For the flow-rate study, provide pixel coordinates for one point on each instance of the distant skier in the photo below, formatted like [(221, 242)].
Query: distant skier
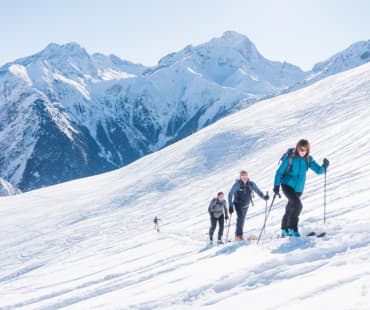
[(218, 212), (156, 223), (241, 195), (291, 174)]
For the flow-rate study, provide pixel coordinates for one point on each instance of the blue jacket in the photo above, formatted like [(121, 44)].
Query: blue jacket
[(236, 187), (296, 177)]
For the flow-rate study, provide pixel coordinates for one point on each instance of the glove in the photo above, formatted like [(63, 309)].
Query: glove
[(325, 163), (266, 197), (231, 210), (226, 217), (277, 190)]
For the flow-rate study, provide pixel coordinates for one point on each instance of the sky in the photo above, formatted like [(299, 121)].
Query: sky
[(302, 32)]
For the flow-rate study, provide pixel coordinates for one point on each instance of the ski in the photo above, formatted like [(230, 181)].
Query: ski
[(249, 238), (314, 234), (207, 247), (310, 234), (211, 245)]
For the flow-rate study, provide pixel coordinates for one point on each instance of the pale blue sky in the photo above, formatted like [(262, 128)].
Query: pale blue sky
[(302, 32)]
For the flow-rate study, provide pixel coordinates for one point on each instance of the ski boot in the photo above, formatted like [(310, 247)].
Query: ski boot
[(294, 233), (284, 233)]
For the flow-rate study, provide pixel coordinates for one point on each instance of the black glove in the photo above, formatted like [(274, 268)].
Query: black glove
[(277, 190), (325, 163), (226, 217), (266, 197), (231, 210)]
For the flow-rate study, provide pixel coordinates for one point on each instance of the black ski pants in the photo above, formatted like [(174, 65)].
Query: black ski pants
[(214, 221), (293, 208)]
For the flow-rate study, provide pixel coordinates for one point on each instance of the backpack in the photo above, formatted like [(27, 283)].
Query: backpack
[(217, 208), (291, 154)]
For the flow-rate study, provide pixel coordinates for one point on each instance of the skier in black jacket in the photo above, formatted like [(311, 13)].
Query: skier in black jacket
[(241, 195)]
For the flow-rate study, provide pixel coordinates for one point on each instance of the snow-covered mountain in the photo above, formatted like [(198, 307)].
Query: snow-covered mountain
[(355, 55), (234, 61), (90, 243), (49, 119), (66, 114), (7, 189)]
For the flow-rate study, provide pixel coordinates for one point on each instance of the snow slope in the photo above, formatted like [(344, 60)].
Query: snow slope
[(90, 243)]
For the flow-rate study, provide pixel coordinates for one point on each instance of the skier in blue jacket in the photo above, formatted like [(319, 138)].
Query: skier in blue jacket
[(240, 196), (291, 174)]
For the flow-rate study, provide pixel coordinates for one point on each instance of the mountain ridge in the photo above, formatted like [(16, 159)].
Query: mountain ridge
[(111, 112)]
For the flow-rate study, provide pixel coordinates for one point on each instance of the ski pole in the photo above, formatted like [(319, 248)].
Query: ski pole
[(266, 204), (228, 228), (266, 217), (325, 198)]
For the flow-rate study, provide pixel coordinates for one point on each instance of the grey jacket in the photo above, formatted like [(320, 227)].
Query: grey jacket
[(217, 208)]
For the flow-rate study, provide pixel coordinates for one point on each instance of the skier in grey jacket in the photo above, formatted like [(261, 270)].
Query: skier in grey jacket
[(218, 212), (241, 195)]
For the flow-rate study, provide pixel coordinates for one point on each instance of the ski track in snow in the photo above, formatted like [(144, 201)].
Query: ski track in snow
[(91, 244)]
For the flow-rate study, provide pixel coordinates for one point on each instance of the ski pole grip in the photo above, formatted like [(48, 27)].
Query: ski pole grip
[(276, 194)]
